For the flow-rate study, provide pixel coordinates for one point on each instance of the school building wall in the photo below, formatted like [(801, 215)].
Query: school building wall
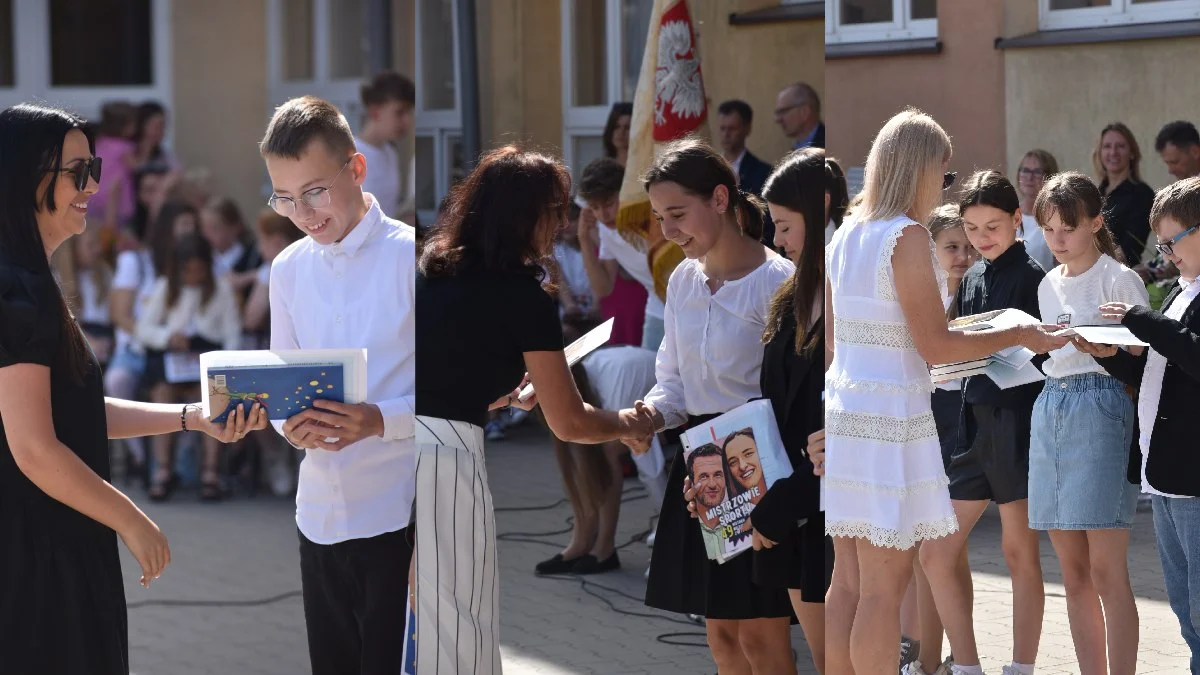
[(521, 85), (217, 115), (962, 87), (1059, 98)]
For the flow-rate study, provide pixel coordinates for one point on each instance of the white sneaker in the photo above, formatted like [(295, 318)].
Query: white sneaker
[(956, 669), (946, 667), (912, 668)]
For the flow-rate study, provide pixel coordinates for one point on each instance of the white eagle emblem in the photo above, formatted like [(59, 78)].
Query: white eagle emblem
[(677, 78)]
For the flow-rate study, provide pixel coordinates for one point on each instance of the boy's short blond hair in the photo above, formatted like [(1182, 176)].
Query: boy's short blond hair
[(1180, 201)]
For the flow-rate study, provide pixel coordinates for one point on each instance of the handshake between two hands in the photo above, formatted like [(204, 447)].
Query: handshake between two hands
[(639, 423)]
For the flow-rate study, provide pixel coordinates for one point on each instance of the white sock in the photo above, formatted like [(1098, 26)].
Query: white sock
[(1022, 668), (966, 670)]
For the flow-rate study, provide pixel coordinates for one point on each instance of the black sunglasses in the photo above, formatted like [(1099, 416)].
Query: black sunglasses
[(84, 168), (947, 179)]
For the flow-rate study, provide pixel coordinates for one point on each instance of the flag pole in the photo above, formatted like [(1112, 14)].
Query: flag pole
[(468, 82)]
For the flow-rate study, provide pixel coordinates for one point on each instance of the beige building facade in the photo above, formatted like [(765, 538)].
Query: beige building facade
[(551, 69), (219, 66), (1007, 76)]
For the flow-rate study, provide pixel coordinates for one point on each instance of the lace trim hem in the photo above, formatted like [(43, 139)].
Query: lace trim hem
[(884, 428), (873, 333), (845, 382), (901, 491), (888, 538)]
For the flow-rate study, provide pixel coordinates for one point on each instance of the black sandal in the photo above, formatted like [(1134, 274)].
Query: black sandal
[(211, 491), (160, 491)]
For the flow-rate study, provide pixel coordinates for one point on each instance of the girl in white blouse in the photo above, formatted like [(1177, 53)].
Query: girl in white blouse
[(188, 311), (1082, 430), (709, 363)]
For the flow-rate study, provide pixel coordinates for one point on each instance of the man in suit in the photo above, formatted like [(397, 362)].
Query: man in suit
[(798, 112), (734, 120)]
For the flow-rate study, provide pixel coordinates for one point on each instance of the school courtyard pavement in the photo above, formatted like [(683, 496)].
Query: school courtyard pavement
[(229, 602)]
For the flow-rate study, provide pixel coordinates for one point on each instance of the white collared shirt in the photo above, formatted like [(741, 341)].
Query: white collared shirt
[(357, 293), (1152, 379), (711, 355), (737, 163)]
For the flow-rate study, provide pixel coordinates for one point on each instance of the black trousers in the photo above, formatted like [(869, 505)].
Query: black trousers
[(355, 598)]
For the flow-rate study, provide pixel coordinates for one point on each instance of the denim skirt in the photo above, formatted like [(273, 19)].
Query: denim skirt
[(1078, 455)]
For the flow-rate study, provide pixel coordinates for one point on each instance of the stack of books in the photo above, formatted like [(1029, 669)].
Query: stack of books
[(1008, 368)]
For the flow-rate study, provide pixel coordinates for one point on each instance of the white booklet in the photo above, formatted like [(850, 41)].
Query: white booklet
[(285, 382), (1104, 335), (995, 319), (577, 350)]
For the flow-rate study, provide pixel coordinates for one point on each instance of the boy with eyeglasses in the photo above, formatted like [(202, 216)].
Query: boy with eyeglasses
[(348, 284), (1167, 377)]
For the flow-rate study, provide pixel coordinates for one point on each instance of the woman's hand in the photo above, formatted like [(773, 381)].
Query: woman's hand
[(1114, 311), (689, 496), (513, 398), (1039, 339), (816, 451), (148, 545), (236, 426), (178, 343), (1093, 349), (760, 542), (639, 425)]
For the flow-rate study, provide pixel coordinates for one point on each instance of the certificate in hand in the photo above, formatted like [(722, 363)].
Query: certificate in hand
[(1104, 335), (579, 349)]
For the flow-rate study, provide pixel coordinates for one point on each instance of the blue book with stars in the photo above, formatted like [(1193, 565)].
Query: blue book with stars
[(284, 382)]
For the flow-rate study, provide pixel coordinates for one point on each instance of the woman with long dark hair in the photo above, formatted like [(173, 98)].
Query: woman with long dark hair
[(709, 363), (62, 602), (484, 319), (797, 557), (616, 132)]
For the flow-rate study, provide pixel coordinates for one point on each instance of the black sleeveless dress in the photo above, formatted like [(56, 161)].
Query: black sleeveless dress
[(62, 602)]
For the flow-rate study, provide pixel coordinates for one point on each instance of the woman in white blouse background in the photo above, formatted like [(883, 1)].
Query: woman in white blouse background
[(709, 363)]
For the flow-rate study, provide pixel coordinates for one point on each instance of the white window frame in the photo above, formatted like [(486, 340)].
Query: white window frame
[(31, 67), (1119, 13), (440, 125), (902, 27), (582, 121)]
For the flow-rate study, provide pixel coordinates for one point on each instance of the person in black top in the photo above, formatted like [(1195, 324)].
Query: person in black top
[(1127, 199), (484, 320), (791, 549), (991, 461), (62, 602)]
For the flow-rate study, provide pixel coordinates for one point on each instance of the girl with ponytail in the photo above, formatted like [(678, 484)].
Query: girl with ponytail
[(709, 363), (1078, 486)]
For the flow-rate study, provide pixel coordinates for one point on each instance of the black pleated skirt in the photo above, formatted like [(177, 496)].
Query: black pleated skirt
[(803, 562), (684, 580)]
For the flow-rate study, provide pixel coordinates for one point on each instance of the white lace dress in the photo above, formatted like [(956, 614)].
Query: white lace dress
[(884, 478)]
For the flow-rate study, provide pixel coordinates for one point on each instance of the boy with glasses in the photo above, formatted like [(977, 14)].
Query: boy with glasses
[(348, 284)]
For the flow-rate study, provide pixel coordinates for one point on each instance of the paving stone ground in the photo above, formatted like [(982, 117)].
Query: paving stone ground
[(244, 552)]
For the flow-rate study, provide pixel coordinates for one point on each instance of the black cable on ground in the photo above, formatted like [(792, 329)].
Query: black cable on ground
[(215, 603), (587, 586)]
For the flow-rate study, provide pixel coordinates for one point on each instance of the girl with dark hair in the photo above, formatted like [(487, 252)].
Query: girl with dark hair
[(62, 601), (710, 362), (616, 132), (114, 204), (1079, 486), (235, 253), (1127, 199), (151, 130), (991, 460), (485, 259), (787, 555), (189, 310)]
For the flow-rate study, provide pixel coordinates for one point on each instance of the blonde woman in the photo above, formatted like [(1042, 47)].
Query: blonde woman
[(1127, 199), (886, 487)]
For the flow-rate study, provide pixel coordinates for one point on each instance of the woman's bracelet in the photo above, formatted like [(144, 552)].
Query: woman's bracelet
[(183, 415)]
